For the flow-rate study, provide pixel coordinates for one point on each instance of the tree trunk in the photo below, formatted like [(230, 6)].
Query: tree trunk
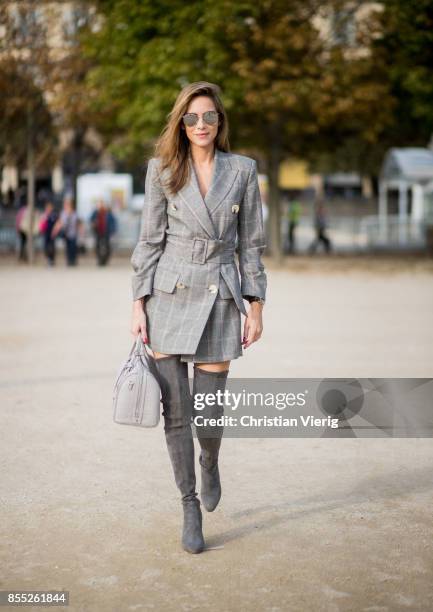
[(273, 164), (77, 152), (30, 184)]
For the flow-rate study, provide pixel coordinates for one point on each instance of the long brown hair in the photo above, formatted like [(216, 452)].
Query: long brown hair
[(173, 146)]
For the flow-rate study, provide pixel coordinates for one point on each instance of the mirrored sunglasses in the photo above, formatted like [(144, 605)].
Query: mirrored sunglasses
[(209, 117)]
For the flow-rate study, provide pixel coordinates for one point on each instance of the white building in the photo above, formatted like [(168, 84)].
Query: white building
[(409, 173)]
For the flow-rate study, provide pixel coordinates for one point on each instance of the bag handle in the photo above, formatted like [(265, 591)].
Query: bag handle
[(137, 346), (140, 349)]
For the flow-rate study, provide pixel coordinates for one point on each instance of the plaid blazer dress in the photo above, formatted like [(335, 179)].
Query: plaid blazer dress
[(184, 261)]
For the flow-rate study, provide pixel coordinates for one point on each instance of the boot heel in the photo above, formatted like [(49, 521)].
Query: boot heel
[(192, 535)]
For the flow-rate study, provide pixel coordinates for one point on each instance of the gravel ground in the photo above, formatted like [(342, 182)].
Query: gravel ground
[(304, 524)]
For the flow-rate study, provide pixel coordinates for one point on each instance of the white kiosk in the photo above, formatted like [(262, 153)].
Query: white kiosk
[(404, 169)]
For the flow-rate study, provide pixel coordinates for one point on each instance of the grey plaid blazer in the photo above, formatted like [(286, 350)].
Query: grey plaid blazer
[(185, 256)]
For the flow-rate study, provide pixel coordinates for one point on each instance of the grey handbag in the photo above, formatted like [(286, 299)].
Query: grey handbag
[(136, 397)]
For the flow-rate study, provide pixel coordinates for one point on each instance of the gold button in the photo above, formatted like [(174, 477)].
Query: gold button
[(180, 285), (235, 208), (213, 288)]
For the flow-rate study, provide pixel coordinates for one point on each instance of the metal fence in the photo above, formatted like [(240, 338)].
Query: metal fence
[(393, 232), (347, 234), (360, 234)]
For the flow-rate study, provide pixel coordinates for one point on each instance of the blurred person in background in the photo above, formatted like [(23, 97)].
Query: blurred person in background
[(81, 242), (46, 226), (104, 225), (22, 226), (22, 233), (293, 214), (321, 225), (20, 197), (67, 227), (10, 198)]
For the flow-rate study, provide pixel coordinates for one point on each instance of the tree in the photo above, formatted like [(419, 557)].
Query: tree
[(24, 116), (66, 88), (286, 90), (263, 56), (405, 45)]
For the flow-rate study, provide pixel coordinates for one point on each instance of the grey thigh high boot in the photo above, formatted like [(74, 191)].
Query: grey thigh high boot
[(177, 412), (209, 436)]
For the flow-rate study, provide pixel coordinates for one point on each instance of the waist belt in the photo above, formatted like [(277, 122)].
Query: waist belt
[(199, 250)]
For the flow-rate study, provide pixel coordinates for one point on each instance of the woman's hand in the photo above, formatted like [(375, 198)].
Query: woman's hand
[(138, 325), (253, 324)]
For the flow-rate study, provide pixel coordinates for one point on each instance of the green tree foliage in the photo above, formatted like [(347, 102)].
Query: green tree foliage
[(24, 114), (263, 55), (406, 47), (330, 96)]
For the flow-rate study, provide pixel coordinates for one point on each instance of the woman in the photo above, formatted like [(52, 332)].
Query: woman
[(200, 201), (46, 227), (104, 226), (68, 224)]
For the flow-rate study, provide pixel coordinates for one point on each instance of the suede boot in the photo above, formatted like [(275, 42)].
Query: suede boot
[(210, 436), (177, 413)]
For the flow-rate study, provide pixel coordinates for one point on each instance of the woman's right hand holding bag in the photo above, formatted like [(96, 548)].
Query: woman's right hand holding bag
[(138, 325)]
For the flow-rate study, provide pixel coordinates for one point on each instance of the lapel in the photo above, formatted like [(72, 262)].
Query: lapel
[(223, 177)]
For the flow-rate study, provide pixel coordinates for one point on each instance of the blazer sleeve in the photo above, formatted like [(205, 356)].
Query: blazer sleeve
[(152, 236), (252, 239)]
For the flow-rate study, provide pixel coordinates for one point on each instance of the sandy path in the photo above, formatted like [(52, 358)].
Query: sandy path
[(91, 507)]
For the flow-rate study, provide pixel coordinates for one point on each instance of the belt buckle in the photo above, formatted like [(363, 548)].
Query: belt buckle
[(202, 260)]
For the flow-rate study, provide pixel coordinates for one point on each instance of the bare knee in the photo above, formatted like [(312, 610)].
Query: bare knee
[(220, 366)]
